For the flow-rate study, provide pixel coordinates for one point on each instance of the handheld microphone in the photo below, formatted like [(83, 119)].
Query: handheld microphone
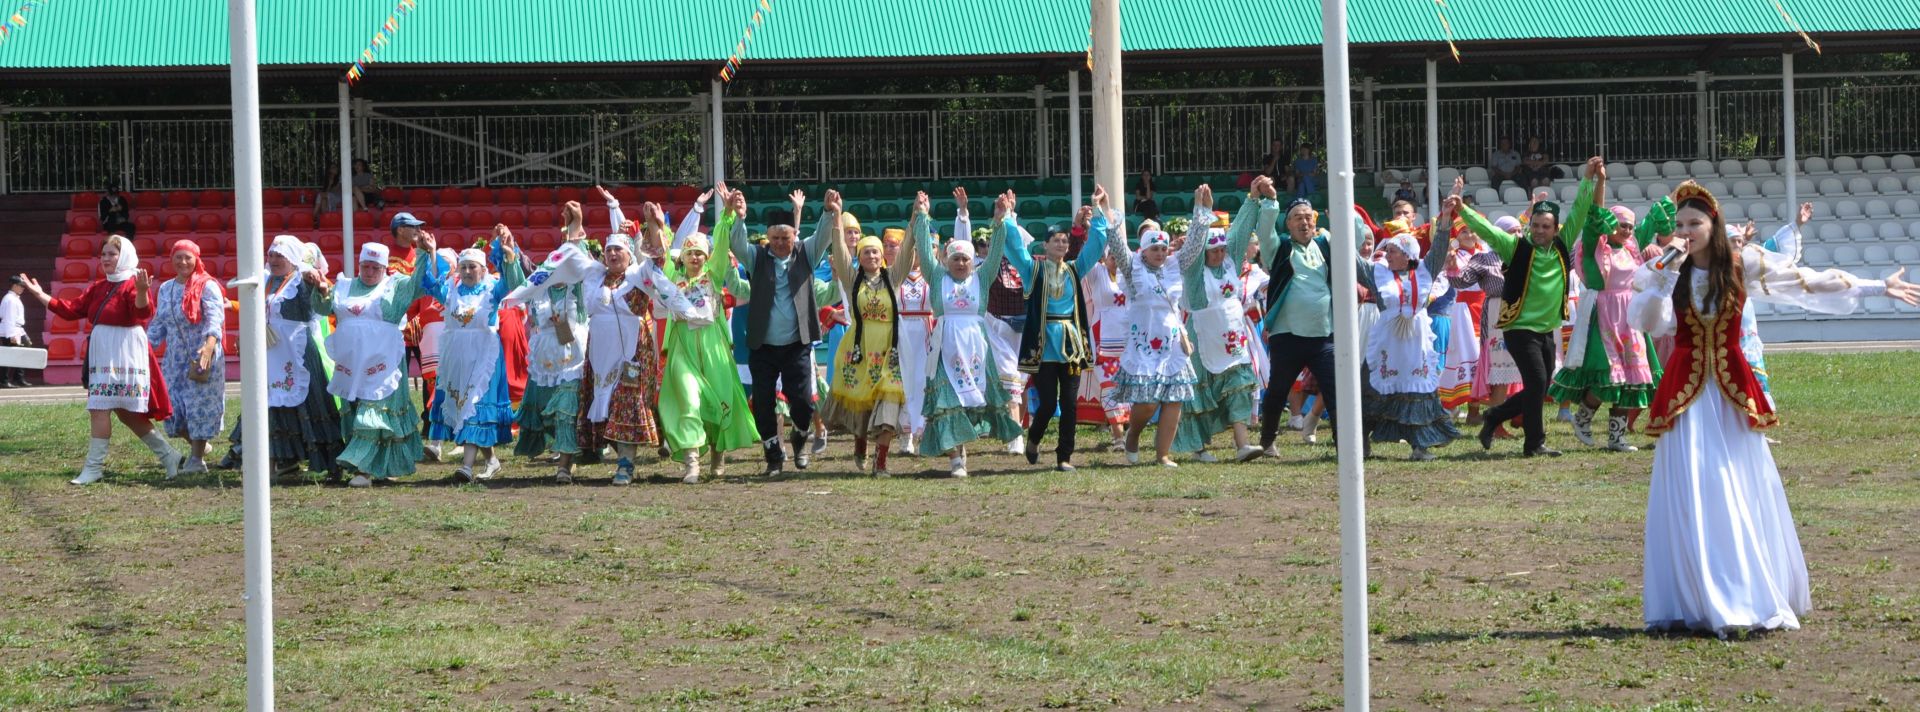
[(1667, 258)]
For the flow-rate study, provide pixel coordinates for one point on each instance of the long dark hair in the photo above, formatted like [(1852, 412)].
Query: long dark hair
[(1723, 280)]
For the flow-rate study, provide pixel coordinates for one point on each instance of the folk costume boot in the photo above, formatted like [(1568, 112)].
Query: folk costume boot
[(1583, 425), (170, 458), (96, 466), (1617, 435)]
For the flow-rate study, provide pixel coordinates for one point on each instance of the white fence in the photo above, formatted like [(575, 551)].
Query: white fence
[(667, 142)]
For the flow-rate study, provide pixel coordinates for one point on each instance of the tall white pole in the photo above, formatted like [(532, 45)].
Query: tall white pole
[(1073, 132), (253, 353), (1791, 169), (1109, 155), (719, 139), (1346, 326), (1433, 139), (351, 261)]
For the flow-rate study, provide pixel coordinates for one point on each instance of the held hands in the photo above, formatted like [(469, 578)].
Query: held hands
[(1203, 196), (833, 201), (426, 242), (1459, 185), (1083, 216), (920, 203), (1597, 168), (737, 204), (1100, 197), (1263, 187), (1002, 205)]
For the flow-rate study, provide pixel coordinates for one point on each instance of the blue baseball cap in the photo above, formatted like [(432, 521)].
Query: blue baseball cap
[(401, 220)]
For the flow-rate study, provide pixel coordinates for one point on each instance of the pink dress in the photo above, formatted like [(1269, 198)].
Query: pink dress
[(1626, 349)]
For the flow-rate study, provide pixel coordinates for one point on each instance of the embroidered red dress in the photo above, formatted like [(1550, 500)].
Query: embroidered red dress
[(122, 370)]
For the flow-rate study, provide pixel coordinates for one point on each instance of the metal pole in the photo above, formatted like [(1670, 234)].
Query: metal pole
[(1433, 139), (719, 140), (1791, 168), (1704, 128), (1109, 154), (258, 513), (1346, 324), (1040, 137), (346, 181), (1073, 133)]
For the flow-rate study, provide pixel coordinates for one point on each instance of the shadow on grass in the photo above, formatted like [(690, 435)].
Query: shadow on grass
[(1609, 632)]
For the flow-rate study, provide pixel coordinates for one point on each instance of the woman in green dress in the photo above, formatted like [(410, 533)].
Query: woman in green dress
[(964, 399), (702, 405), (376, 409)]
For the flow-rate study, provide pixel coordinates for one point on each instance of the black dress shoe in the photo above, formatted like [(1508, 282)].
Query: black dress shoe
[(1543, 451), (1033, 454), (1486, 433)]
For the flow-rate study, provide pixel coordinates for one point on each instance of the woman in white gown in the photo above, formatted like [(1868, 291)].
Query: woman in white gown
[(1721, 550)]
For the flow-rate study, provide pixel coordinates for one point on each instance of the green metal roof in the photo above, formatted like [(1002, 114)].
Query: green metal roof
[(147, 34)]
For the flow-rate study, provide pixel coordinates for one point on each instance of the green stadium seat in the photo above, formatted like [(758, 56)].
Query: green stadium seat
[(889, 211), (1054, 186), (1059, 208), (940, 209), (1172, 205), (1037, 229), (979, 209), (1030, 208), (1026, 186), (1229, 202)]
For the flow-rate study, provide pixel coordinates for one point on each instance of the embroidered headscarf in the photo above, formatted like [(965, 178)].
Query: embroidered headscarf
[(960, 247), (122, 268), (196, 284), (374, 252), (1154, 238)]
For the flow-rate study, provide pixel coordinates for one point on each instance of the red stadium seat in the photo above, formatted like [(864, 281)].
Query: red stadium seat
[(273, 198), (159, 267), (84, 201), (419, 197), (392, 194), (62, 350), (84, 225), (210, 222), (273, 221), (628, 193), (229, 245), (540, 195), (513, 218), (233, 319), (225, 268), (232, 341), (480, 196), (147, 223), (302, 221), (329, 221), (300, 196), (543, 240), (362, 220), (213, 199), (510, 195), (685, 194), (597, 214), (656, 193), (566, 193), (210, 246), (149, 200), (480, 219), (75, 247), (61, 325), (453, 218), (77, 270), (451, 195), (179, 200), (178, 222), (330, 243), (146, 245), (68, 293)]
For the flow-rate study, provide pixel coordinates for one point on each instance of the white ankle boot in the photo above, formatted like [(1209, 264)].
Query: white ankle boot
[(169, 458), (1583, 425), (1617, 435), (96, 465)]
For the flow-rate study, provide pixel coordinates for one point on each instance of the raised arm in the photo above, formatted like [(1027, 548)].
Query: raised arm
[(919, 232), (1658, 221), (844, 272), (690, 223), (827, 229), (1095, 246), (736, 232), (1256, 219), (1496, 238), (904, 260), (1105, 219), (512, 275), (1016, 253), (1198, 228), (718, 267), (1579, 215), (614, 216)]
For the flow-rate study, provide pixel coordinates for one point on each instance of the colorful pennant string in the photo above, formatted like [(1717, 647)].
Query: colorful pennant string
[(381, 38), (1440, 8), (1795, 26), (18, 18), (739, 55)]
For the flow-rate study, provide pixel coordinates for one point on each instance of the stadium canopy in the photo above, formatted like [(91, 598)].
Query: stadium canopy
[(468, 40)]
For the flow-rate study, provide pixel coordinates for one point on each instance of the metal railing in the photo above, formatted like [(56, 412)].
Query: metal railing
[(667, 140)]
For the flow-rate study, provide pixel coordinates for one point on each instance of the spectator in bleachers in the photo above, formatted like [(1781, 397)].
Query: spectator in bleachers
[(366, 187), (1406, 194), (1274, 165), (13, 331), (1503, 164), (1536, 166), (116, 213), (327, 198), (1143, 204), (1304, 181)]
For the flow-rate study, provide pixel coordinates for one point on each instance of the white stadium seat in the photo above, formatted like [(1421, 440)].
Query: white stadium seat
[(1759, 167), (1657, 191), (1846, 256), (1673, 169), (1892, 232), (1877, 255), (1913, 229), (1815, 256), (1822, 208), (1832, 187), (1446, 178), (1745, 189), (1619, 170), (1733, 212), (1890, 185), (1780, 167), (1877, 305), (1848, 210), (1760, 212), (1717, 187), (1646, 170), (1902, 162), (1860, 186), (1513, 195), (1817, 164), (1773, 187), (1729, 168), (1906, 207), (1860, 231), (1846, 164), (1832, 232), (1477, 175), (1632, 192), (1874, 164), (1701, 169), (1485, 197), (1804, 186), (1913, 185), (1906, 254), (1879, 209)]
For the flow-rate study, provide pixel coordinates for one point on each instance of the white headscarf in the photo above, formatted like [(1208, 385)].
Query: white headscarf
[(960, 247), (620, 240), (1216, 237), (1406, 243), (128, 262), (374, 252), (473, 255), (1154, 238), (289, 248)]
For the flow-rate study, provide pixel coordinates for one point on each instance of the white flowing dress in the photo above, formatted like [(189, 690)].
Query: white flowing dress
[(916, 316)]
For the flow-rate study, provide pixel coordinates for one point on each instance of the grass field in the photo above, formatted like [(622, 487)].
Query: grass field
[(1498, 582)]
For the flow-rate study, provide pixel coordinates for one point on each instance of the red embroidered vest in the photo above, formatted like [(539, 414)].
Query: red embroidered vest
[(1707, 347)]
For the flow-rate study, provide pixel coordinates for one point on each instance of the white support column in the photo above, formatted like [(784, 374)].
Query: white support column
[(1346, 325), (1791, 169), (719, 167), (1073, 133), (1433, 139), (1109, 154), (350, 261), (1041, 139), (257, 507), (1703, 136)]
